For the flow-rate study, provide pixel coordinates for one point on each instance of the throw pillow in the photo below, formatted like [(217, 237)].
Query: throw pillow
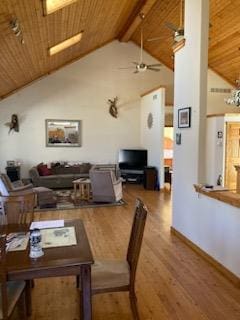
[(84, 167), (44, 171)]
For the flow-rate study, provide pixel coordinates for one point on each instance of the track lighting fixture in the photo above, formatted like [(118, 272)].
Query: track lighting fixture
[(16, 28)]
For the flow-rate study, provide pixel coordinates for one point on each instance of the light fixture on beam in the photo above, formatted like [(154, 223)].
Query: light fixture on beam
[(50, 6), (16, 28), (234, 100), (65, 44)]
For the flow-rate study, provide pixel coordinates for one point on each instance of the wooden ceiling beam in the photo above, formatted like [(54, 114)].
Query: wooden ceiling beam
[(135, 20)]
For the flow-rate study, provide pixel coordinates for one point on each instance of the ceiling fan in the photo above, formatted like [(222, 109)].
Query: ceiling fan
[(141, 66), (178, 34)]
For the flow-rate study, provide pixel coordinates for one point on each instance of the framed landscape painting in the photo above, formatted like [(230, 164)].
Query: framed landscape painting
[(184, 118), (63, 133)]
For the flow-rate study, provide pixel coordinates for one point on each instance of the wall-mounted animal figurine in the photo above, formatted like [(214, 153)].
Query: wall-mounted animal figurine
[(13, 125), (113, 107)]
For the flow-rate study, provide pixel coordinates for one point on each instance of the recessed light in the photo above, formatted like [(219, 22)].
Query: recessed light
[(65, 44), (50, 6)]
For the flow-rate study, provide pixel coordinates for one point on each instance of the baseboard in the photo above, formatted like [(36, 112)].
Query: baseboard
[(223, 270)]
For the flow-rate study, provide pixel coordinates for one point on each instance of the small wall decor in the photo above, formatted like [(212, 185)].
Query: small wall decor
[(113, 107), (184, 118), (220, 134), (220, 138), (178, 138), (63, 133), (150, 120), (13, 125)]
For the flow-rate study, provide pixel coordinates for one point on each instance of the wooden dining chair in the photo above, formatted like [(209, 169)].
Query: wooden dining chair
[(115, 276), (12, 293), (17, 209)]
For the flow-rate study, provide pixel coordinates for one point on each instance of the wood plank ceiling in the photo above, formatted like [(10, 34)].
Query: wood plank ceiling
[(103, 21), (224, 35)]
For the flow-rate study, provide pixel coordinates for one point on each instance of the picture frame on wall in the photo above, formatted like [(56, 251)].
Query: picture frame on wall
[(184, 117), (63, 133)]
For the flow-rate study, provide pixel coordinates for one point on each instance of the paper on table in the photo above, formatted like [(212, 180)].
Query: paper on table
[(58, 237), (47, 224), (17, 241)]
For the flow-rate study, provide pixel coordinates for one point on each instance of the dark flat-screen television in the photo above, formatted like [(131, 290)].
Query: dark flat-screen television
[(131, 159)]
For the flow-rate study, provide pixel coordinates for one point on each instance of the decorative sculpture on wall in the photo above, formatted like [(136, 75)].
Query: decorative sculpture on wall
[(113, 108), (150, 120), (13, 125)]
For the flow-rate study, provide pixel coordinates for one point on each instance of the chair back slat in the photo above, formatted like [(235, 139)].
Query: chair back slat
[(17, 209), (136, 237), (3, 277), (7, 182), (3, 188)]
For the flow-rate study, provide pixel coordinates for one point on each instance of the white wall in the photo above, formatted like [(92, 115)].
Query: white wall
[(80, 91), (152, 139), (215, 100), (215, 156), (215, 149), (215, 227), (210, 224)]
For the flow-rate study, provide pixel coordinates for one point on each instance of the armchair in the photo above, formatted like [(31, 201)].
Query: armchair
[(7, 188), (105, 186)]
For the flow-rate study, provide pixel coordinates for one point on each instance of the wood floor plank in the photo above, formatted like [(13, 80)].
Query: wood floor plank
[(173, 282)]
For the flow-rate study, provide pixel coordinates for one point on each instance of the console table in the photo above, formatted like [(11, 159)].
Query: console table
[(133, 176)]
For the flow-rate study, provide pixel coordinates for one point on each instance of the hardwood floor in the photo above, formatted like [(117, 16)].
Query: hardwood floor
[(173, 282)]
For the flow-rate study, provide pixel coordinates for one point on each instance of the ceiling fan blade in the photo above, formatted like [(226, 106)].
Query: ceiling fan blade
[(153, 69), (127, 68), (136, 71), (136, 63), (155, 65), (141, 52), (171, 26)]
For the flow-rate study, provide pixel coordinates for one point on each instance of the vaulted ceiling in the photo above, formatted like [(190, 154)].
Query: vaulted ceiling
[(103, 21)]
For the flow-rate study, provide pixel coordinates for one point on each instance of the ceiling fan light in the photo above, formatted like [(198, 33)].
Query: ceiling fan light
[(141, 67), (65, 44), (50, 6)]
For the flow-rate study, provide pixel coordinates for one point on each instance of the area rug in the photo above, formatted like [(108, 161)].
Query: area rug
[(65, 201)]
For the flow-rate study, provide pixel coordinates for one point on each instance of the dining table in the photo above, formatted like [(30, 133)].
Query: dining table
[(74, 260)]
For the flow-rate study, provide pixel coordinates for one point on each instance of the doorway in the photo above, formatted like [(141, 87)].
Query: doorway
[(168, 155), (232, 154)]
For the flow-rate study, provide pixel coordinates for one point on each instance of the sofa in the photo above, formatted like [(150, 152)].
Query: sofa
[(59, 176)]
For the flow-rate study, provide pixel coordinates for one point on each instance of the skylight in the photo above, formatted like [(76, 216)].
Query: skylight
[(50, 6), (65, 44)]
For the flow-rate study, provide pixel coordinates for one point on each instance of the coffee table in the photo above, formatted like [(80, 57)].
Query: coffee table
[(82, 189), (56, 262)]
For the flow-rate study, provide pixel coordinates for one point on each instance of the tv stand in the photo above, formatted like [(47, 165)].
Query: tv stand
[(133, 176)]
